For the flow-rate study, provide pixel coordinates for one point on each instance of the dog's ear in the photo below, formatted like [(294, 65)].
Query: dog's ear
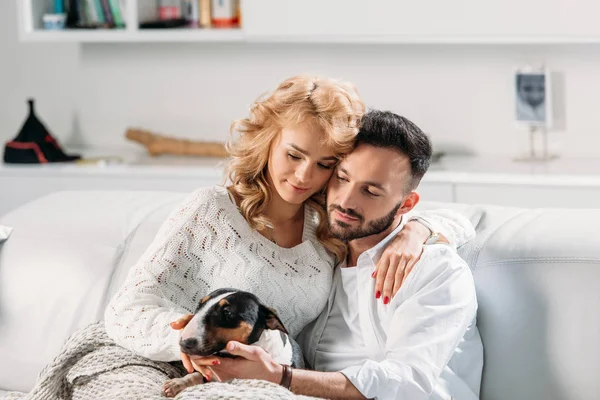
[(272, 320)]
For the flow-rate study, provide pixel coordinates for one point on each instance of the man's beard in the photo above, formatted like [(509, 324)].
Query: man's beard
[(344, 232)]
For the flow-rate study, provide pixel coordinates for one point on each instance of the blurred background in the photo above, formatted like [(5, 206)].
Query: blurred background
[(187, 69)]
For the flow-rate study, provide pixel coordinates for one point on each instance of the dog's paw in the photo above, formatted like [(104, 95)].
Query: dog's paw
[(173, 386)]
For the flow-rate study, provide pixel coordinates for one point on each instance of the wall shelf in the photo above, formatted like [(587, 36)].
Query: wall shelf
[(137, 36), (31, 29), (423, 39), (239, 36), (497, 22)]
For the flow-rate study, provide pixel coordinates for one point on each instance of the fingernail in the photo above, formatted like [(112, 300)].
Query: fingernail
[(231, 346), (373, 274), (386, 300), (216, 362), (378, 294)]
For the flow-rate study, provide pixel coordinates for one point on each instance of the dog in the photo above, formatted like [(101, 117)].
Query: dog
[(230, 314)]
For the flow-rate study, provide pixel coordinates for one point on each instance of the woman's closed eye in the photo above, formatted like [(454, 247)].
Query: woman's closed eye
[(320, 165), (326, 166)]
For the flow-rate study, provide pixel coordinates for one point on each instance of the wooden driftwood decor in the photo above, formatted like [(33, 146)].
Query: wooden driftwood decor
[(159, 144)]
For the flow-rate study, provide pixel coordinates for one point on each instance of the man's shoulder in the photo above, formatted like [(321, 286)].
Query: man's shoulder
[(441, 253), (440, 262)]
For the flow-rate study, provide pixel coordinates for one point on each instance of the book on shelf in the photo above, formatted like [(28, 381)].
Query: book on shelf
[(91, 14), (99, 12), (108, 14), (193, 14), (115, 9)]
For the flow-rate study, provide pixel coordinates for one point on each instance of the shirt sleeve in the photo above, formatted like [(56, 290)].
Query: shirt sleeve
[(427, 324), (455, 226), (156, 291)]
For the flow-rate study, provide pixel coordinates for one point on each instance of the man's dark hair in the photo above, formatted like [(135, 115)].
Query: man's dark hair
[(388, 130)]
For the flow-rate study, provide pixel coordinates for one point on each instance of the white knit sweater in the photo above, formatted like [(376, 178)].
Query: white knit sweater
[(207, 244)]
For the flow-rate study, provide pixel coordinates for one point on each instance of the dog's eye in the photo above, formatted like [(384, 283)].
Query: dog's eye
[(227, 313)]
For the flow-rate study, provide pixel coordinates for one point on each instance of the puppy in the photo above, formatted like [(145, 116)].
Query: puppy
[(229, 314)]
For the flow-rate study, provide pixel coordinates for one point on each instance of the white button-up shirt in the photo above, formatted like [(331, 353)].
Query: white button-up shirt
[(423, 345)]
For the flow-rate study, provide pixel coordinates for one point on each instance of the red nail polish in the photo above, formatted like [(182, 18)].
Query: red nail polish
[(386, 300), (216, 362), (378, 294), (373, 274)]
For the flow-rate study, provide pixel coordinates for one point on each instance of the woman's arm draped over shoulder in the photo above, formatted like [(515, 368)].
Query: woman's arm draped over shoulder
[(454, 225), (162, 286)]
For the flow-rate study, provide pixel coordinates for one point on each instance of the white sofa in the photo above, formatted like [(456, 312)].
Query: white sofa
[(537, 274)]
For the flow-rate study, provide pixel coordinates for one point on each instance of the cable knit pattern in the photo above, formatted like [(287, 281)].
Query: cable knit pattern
[(204, 245)]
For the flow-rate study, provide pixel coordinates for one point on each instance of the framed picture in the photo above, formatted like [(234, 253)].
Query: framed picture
[(533, 98)]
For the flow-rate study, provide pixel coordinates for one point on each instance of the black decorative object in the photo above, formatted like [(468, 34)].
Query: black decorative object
[(34, 144)]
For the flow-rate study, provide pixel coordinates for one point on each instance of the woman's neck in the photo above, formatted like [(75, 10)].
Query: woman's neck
[(280, 212)]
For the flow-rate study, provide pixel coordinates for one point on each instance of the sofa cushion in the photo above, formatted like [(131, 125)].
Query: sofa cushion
[(4, 232), (536, 273), (57, 269)]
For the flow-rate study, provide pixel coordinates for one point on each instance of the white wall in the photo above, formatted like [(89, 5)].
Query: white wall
[(459, 94)]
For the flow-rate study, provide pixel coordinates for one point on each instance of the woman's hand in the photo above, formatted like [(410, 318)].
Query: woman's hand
[(185, 359), (399, 259), (203, 365)]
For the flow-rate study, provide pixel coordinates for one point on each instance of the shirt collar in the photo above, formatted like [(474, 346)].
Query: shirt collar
[(375, 252)]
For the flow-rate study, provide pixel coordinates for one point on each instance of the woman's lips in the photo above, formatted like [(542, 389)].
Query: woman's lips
[(298, 188)]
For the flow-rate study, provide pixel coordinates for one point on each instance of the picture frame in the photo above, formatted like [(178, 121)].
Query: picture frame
[(533, 97)]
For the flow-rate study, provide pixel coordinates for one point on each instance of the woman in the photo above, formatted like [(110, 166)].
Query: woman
[(266, 233)]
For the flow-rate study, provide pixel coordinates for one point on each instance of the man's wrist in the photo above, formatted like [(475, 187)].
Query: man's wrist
[(286, 378), (276, 373)]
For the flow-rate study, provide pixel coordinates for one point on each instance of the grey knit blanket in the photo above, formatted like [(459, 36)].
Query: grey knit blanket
[(92, 367)]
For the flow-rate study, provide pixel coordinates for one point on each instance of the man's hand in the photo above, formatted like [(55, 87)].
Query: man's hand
[(253, 363)]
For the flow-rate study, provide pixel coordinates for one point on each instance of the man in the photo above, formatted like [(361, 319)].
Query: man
[(424, 344)]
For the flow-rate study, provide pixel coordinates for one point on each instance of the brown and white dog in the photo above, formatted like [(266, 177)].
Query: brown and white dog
[(229, 314)]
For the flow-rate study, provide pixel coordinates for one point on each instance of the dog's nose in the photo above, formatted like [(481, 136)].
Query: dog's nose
[(189, 344)]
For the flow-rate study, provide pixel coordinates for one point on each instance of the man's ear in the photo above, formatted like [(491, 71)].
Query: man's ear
[(409, 203), (272, 320)]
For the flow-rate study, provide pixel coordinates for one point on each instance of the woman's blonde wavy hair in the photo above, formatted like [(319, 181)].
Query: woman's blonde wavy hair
[(332, 105)]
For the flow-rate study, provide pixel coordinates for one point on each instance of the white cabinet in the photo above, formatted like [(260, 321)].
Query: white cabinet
[(528, 196), (20, 184), (18, 190), (436, 191), (564, 183)]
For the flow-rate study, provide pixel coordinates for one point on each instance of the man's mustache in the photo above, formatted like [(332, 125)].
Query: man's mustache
[(349, 212)]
